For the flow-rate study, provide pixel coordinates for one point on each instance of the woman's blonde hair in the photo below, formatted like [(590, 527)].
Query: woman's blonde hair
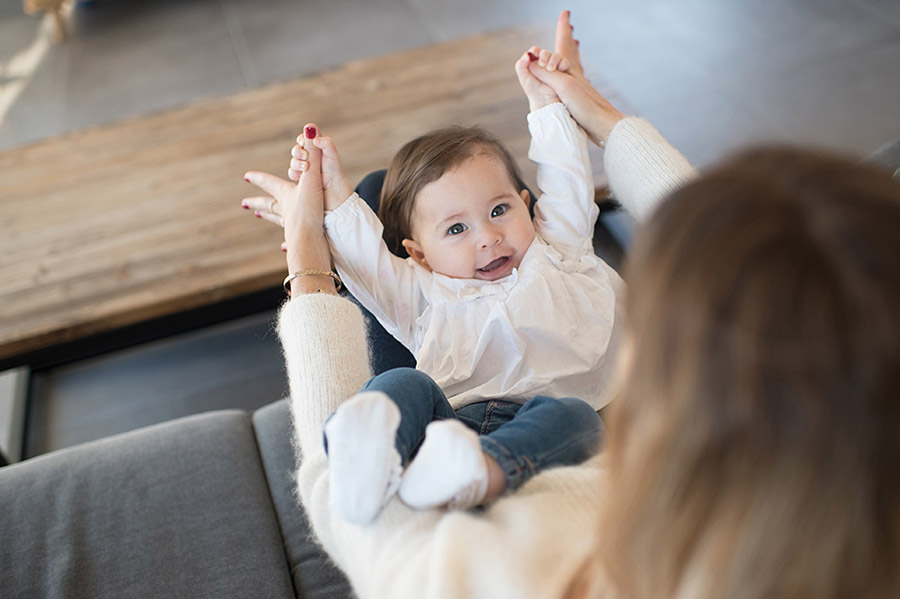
[(755, 443)]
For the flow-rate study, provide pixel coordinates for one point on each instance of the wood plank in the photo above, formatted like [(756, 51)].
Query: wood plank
[(111, 226)]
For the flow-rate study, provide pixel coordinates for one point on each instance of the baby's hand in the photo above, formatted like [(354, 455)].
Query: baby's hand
[(539, 94), (337, 187)]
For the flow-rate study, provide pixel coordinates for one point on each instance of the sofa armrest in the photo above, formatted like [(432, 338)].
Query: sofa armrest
[(180, 509), (315, 575)]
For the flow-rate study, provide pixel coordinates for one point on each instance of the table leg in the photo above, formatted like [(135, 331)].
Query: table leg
[(13, 395)]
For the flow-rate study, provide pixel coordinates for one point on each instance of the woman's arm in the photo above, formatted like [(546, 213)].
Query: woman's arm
[(641, 165), (302, 212), (349, 234), (593, 112)]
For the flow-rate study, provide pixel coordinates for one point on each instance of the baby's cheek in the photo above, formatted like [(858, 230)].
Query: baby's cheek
[(528, 236)]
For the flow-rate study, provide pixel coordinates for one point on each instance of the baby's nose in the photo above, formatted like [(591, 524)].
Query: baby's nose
[(491, 236)]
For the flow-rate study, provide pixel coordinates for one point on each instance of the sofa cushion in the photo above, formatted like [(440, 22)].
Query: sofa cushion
[(315, 575), (180, 509)]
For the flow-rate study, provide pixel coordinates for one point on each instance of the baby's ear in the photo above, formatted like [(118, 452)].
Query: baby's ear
[(526, 197), (415, 252)]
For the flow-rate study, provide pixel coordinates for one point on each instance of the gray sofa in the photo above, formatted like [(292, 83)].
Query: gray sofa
[(203, 506)]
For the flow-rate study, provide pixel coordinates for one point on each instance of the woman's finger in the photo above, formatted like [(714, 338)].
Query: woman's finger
[(275, 219), (311, 182), (257, 203), (262, 204), (566, 45), (271, 184), (299, 153), (299, 165), (294, 175)]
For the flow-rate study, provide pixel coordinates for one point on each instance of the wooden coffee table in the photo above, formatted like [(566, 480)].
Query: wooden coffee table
[(107, 228), (116, 225)]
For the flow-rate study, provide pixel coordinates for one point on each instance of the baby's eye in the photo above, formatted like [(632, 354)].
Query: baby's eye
[(499, 209), (456, 229)]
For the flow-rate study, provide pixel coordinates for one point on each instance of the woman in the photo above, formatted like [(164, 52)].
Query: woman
[(753, 451)]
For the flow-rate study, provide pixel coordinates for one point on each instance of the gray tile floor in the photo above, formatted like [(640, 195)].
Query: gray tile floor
[(233, 365), (713, 75)]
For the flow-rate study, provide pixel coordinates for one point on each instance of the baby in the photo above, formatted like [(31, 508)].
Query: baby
[(505, 314)]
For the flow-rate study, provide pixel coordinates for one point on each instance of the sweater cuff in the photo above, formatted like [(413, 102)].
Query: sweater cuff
[(642, 166)]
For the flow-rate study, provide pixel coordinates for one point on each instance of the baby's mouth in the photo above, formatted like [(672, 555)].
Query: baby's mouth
[(494, 265)]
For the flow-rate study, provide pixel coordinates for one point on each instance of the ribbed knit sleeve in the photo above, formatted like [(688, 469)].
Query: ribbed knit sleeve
[(325, 349), (642, 166)]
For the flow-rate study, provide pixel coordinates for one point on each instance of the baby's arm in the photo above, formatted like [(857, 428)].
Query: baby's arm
[(385, 284), (565, 213), (641, 166)]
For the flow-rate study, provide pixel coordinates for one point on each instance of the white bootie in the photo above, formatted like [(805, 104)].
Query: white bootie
[(448, 470), (364, 465)]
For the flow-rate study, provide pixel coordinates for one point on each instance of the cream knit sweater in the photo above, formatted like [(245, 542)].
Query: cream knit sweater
[(529, 543)]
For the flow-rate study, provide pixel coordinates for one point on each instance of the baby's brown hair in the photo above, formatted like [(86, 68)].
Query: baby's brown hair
[(425, 160)]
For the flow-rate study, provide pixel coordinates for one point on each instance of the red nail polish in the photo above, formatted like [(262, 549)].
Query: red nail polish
[(531, 56), (245, 206), (310, 132), (258, 215)]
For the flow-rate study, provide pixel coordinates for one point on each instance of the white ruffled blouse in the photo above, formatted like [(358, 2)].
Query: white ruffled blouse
[(551, 327)]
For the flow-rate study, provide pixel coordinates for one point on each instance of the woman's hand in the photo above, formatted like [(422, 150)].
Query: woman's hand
[(586, 105), (300, 208)]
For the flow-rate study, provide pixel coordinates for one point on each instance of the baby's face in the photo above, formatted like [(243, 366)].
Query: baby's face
[(471, 223)]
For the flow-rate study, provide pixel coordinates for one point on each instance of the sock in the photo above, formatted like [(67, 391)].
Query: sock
[(448, 470), (364, 465)]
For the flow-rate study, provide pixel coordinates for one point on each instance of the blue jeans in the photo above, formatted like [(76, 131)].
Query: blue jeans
[(524, 438)]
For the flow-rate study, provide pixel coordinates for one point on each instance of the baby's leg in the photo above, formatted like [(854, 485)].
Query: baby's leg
[(545, 432), (460, 469), (364, 467), (372, 435), (450, 469), (419, 400)]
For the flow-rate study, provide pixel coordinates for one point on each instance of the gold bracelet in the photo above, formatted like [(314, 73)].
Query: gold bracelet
[(311, 271)]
